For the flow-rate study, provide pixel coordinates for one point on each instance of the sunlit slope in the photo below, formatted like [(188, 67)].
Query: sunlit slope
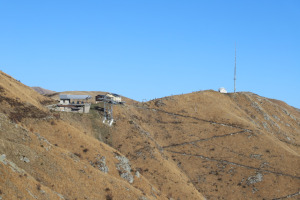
[(229, 146), (220, 146), (16, 91), (45, 157)]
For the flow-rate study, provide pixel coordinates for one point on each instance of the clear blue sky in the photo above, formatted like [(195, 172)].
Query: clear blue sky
[(146, 49)]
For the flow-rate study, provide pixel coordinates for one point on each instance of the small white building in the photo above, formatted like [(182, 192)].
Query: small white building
[(222, 90)]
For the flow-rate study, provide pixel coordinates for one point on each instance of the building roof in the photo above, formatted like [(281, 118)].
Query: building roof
[(116, 95), (68, 96)]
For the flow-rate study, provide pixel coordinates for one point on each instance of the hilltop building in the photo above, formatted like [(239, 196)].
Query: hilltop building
[(109, 97), (222, 90), (74, 103)]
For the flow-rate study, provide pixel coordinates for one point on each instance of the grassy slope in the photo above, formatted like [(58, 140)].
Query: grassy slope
[(45, 157), (224, 146), (230, 146)]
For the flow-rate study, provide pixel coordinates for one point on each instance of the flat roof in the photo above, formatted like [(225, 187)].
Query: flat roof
[(114, 94), (69, 96)]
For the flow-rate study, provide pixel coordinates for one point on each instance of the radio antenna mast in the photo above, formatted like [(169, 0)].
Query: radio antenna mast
[(234, 66)]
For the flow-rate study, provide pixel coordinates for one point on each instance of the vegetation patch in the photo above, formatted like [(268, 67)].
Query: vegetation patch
[(109, 197), (26, 111), (2, 90), (47, 102), (85, 150)]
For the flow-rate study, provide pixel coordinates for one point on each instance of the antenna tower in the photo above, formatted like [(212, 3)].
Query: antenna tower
[(234, 67)]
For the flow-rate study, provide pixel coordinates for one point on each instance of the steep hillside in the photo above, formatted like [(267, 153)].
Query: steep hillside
[(45, 157), (229, 146), (202, 145)]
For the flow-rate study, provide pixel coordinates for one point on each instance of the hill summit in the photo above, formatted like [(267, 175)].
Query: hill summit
[(43, 91), (201, 145)]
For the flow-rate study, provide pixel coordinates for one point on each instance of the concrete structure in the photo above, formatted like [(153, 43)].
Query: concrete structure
[(74, 103), (66, 99)]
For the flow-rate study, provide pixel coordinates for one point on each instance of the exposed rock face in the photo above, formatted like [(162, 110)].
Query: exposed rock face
[(25, 159), (100, 163), (255, 179), (124, 168)]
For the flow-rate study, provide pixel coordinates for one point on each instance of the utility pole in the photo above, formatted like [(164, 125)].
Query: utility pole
[(234, 66)]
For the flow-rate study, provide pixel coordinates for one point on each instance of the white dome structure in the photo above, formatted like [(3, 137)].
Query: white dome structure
[(222, 90)]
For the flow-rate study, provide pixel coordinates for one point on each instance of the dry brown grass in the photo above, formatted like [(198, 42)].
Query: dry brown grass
[(221, 146)]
